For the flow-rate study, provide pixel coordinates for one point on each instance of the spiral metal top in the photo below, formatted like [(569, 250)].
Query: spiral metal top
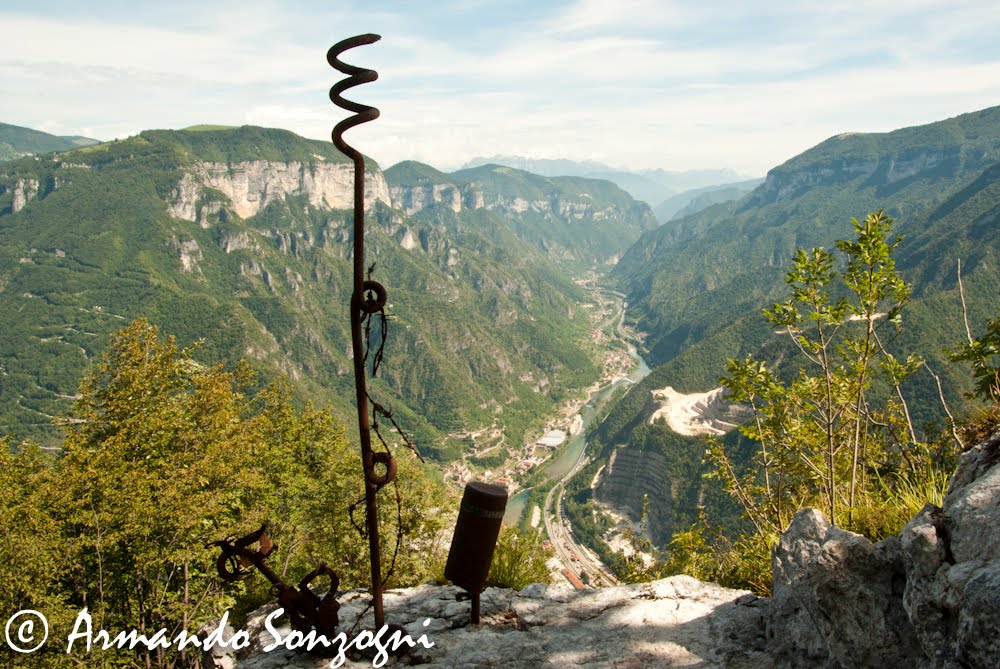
[(356, 76)]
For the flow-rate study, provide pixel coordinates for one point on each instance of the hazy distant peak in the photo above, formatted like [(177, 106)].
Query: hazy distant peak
[(649, 185), (549, 167)]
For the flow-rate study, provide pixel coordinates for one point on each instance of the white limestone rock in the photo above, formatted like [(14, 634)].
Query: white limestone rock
[(952, 559), (927, 599), (674, 622), (252, 185), (837, 600)]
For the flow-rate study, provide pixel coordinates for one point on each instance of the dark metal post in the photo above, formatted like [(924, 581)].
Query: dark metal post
[(475, 608), (475, 539), (360, 304)]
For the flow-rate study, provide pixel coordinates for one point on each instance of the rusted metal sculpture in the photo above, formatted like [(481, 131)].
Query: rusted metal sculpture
[(304, 608), (368, 297), (475, 539)]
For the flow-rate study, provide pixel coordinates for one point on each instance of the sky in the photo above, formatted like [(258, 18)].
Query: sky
[(636, 84)]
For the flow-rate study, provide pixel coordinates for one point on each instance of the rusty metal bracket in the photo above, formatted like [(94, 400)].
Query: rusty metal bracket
[(306, 610)]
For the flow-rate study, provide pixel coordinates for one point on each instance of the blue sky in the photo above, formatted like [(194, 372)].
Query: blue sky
[(631, 83)]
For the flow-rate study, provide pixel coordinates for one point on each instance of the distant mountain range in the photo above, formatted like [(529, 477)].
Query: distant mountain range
[(17, 142), (651, 186), (566, 217), (694, 200), (240, 237)]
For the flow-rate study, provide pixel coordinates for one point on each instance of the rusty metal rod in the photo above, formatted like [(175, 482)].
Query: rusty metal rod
[(362, 114)]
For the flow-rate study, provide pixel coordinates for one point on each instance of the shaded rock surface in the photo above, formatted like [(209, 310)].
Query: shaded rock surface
[(929, 598), (838, 599), (676, 622), (952, 560)]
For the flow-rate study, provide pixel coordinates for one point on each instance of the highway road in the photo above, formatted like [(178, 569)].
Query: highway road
[(557, 526), (561, 536)]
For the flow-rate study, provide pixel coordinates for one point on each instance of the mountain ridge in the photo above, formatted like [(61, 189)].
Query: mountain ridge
[(697, 285), (17, 142), (762, 229), (648, 185), (563, 216), (241, 238)]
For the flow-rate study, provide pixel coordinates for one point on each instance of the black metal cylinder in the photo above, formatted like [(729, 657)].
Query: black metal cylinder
[(476, 533)]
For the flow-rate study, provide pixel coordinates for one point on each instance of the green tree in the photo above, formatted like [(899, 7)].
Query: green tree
[(983, 355), (36, 555), (164, 456), (825, 435), (161, 458)]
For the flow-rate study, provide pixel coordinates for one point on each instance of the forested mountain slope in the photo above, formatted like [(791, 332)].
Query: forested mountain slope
[(240, 239), (694, 277), (697, 285), (575, 221), (16, 142)]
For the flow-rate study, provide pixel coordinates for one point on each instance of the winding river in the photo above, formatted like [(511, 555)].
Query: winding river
[(563, 464)]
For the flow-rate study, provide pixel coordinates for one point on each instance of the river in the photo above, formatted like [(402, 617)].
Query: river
[(558, 468)]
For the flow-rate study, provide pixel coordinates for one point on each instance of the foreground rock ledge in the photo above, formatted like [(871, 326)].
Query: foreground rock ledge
[(927, 599), (674, 622)]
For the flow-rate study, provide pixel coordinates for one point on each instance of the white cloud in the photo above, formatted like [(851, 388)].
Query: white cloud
[(134, 51), (640, 83)]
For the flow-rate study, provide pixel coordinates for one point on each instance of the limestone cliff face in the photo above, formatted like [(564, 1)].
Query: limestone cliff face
[(412, 199), (563, 220), (569, 219), (782, 185), (250, 186), (633, 476), (791, 179), (25, 190)]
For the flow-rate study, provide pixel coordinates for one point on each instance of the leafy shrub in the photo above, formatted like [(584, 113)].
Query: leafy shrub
[(837, 434), (519, 559), (164, 456), (983, 354), (741, 563)]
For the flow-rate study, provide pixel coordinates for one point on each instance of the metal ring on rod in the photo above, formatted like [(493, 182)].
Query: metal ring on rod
[(375, 303), (379, 480)]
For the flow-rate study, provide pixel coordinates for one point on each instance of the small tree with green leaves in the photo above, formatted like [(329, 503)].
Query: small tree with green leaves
[(824, 435), (983, 355)]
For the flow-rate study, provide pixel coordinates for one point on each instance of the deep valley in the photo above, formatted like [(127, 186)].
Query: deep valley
[(517, 300)]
